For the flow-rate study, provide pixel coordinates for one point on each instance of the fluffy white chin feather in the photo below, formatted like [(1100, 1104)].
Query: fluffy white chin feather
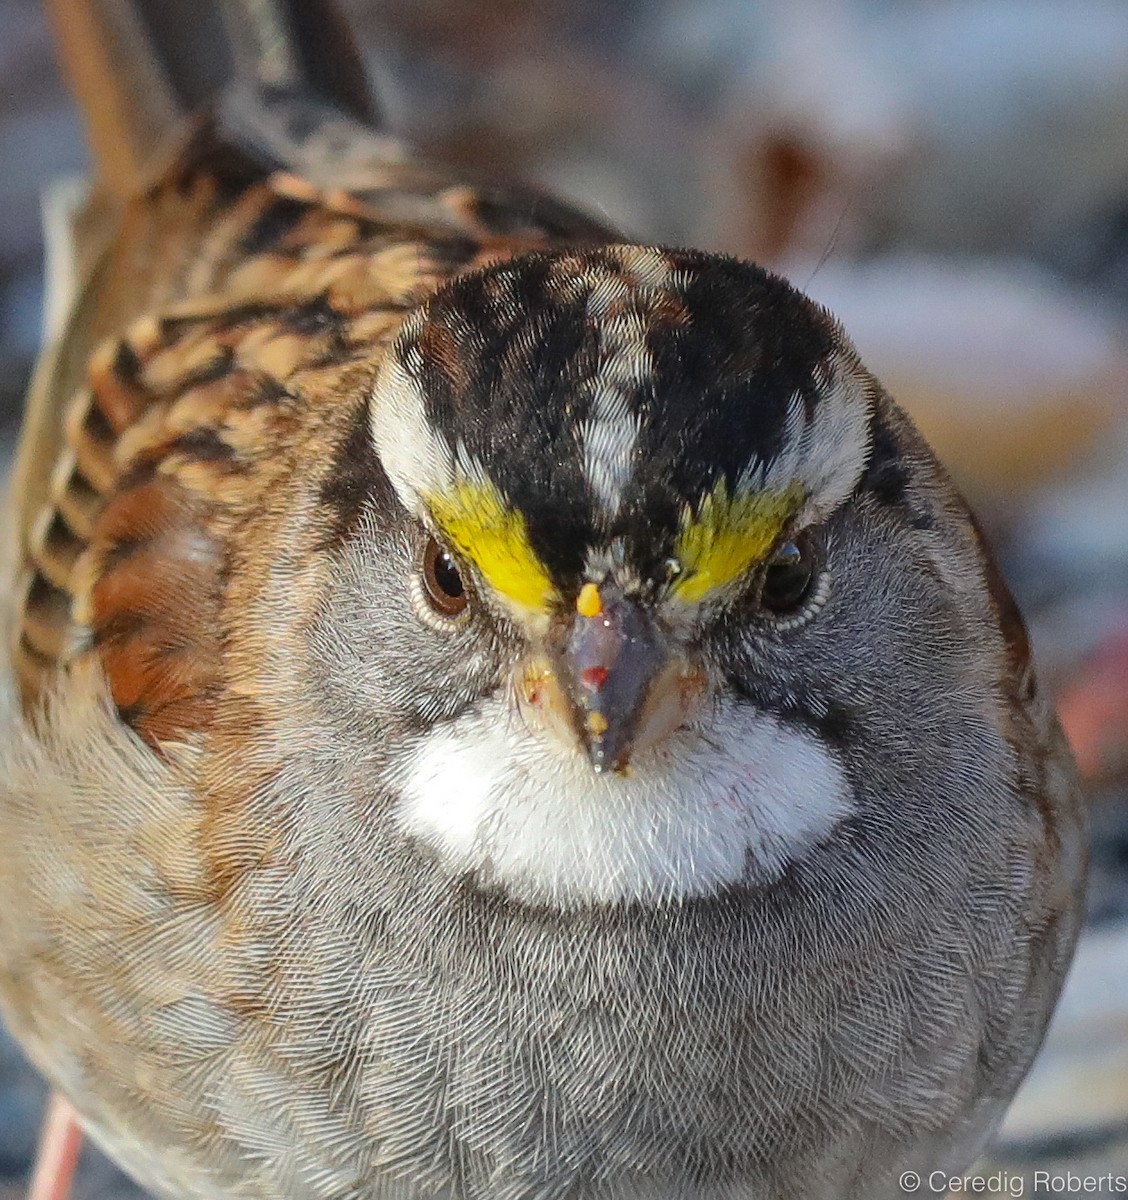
[(731, 803)]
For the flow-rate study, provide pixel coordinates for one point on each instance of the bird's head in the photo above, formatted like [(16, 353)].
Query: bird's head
[(621, 477)]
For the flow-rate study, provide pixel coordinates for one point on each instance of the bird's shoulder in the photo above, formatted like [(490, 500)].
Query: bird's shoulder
[(204, 400)]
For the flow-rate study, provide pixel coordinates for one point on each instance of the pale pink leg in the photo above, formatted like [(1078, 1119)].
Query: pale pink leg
[(59, 1144)]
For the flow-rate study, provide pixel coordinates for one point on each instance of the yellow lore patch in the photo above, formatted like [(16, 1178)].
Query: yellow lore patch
[(588, 602), (480, 528), (726, 537)]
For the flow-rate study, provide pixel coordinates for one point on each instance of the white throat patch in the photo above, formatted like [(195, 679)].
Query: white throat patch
[(733, 803)]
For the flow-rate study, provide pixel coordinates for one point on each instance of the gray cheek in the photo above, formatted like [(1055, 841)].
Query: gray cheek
[(374, 663), (928, 723), (897, 673)]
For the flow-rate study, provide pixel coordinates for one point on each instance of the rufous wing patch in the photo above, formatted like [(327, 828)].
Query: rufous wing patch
[(153, 606)]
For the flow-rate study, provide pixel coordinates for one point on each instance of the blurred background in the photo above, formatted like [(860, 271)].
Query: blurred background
[(949, 176)]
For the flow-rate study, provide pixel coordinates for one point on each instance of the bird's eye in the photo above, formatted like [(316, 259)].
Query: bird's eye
[(442, 581), (788, 577)]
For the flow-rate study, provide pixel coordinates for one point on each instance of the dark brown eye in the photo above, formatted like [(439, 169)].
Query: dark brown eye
[(443, 582), (788, 577)]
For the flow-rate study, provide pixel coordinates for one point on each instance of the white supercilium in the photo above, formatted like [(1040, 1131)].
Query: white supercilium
[(418, 459), (827, 454)]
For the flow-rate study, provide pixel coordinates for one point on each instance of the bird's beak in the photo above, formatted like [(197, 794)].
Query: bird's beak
[(625, 687)]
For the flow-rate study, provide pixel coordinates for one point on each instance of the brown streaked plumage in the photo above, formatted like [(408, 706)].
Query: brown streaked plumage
[(311, 886), (191, 417)]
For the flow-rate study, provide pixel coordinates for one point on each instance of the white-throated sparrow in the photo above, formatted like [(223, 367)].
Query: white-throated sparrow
[(496, 712)]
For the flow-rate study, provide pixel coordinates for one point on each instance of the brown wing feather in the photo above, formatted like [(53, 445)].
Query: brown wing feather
[(106, 51), (148, 74)]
